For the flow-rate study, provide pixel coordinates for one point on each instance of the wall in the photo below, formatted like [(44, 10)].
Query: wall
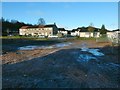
[(36, 31)]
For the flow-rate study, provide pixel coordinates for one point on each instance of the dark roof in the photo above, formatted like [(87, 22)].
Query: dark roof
[(85, 29), (117, 30), (109, 31), (24, 27), (96, 30), (38, 26), (50, 25), (32, 27), (74, 30), (62, 29)]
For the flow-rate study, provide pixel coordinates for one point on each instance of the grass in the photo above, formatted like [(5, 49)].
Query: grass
[(22, 37), (47, 39), (102, 39)]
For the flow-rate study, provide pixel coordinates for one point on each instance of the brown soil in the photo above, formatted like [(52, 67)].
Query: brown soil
[(56, 68)]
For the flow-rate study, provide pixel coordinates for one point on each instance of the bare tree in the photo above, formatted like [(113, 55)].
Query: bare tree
[(91, 29), (41, 21)]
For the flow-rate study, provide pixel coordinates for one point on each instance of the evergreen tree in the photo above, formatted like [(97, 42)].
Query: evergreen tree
[(11, 26), (103, 30)]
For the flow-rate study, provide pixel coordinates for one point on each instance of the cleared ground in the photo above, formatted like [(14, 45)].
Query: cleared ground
[(66, 66)]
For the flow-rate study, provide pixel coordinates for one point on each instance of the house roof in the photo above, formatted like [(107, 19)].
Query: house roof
[(109, 31), (24, 27), (117, 30), (62, 29), (38, 26), (74, 30), (50, 25), (85, 29)]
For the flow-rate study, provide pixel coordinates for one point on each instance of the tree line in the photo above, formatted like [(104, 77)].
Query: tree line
[(11, 26), (102, 30)]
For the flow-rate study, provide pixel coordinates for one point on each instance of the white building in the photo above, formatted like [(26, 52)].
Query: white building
[(110, 34), (63, 31), (75, 32), (44, 30), (83, 32), (89, 34)]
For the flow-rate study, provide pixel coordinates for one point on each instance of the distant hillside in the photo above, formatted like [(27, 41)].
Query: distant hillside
[(11, 27)]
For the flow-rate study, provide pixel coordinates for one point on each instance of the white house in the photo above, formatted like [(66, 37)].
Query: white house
[(75, 32), (89, 34), (63, 31), (83, 32), (110, 34), (115, 36), (43, 30)]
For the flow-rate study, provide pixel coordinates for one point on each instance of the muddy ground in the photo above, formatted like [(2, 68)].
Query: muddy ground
[(63, 67)]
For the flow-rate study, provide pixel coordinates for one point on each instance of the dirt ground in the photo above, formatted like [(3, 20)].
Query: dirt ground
[(62, 67)]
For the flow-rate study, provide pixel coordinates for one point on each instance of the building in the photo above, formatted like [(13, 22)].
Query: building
[(63, 31), (75, 32), (110, 34), (42, 30), (114, 36), (83, 32)]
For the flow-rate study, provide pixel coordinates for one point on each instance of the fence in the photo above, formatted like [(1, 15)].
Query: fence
[(114, 38), (102, 38)]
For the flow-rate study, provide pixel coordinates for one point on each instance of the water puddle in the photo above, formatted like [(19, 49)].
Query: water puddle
[(91, 55), (28, 47), (85, 58), (32, 47), (35, 47), (93, 51), (62, 44)]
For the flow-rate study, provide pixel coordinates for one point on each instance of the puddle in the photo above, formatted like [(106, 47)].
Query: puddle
[(48, 47), (35, 47), (59, 45), (84, 47), (28, 47), (93, 51), (32, 47), (85, 58), (45, 47)]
